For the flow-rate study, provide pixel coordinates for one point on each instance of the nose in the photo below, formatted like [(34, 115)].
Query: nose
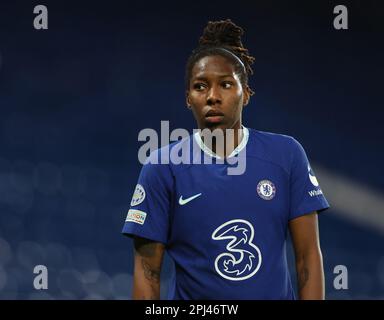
[(213, 96)]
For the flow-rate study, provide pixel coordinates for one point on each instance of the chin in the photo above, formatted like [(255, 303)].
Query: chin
[(213, 126)]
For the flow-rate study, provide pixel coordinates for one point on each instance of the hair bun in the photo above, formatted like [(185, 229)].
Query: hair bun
[(221, 33)]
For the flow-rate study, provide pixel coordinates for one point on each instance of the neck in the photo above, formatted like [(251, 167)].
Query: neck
[(224, 144)]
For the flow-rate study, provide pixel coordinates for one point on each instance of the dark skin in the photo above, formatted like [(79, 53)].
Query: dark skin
[(147, 268), (215, 86), (304, 232)]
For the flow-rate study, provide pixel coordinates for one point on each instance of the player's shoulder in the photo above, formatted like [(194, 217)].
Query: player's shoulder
[(272, 140), (277, 148)]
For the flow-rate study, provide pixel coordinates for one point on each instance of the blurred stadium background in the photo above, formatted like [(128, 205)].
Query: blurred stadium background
[(74, 97)]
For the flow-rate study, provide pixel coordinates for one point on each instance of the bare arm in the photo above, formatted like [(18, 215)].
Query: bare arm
[(309, 262), (147, 268)]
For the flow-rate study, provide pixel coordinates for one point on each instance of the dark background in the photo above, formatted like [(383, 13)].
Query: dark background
[(74, 97)]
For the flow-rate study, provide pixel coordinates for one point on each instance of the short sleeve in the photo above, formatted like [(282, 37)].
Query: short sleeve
[(148, 216), (306, 195)]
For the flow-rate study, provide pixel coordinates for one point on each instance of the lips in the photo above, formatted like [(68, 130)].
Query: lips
[(214, 117), (214, 113)]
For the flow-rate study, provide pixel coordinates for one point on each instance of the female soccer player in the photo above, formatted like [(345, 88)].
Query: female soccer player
[(227, 233)]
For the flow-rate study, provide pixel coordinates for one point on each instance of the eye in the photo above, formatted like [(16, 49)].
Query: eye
[(227, 84), (199, 86)]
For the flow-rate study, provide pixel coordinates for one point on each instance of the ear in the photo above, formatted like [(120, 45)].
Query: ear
[(187, 99), (246, 95)]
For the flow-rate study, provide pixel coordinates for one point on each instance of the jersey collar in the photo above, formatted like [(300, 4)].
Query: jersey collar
[(236, 151)]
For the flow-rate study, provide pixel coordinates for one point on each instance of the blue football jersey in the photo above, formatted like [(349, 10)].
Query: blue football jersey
[(227, 233)]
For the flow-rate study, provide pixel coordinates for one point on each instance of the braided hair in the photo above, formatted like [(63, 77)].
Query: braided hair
[(223, 38)]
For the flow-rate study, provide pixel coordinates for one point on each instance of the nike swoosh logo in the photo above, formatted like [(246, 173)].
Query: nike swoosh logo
[(185, 201)]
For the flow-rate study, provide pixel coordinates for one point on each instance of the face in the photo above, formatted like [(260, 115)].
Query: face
[(216, 95)]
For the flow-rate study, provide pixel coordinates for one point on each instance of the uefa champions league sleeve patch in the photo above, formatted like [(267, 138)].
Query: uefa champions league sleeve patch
[(138, 196)]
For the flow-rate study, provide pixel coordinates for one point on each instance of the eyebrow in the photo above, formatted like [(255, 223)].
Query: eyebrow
[(220, 76)]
